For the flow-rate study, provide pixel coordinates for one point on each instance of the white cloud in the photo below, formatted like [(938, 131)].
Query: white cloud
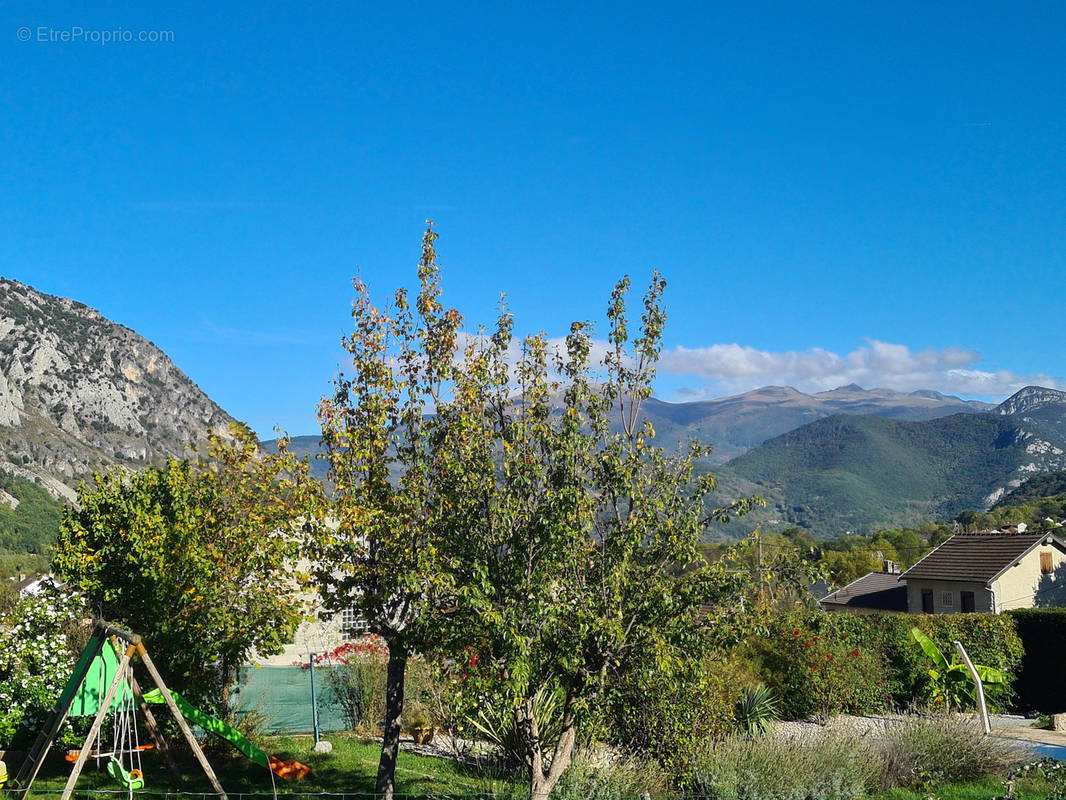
[(732, 368), (724, 369)]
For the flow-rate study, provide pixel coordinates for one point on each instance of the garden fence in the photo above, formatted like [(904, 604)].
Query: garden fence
[(281, 696)]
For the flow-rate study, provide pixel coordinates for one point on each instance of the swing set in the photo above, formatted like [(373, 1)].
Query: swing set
[(106, 661)]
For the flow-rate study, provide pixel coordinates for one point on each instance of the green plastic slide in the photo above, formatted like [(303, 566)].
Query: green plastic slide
[(212, 725)]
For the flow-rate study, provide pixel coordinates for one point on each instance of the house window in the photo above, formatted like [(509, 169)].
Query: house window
[(948, 600), (927, 601), (1045, 562), (966, 602)]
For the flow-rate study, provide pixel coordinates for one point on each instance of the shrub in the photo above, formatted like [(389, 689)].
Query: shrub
[(774, 767), (941, 749), (358, 681), (39, 644), (671, 715), (500, 728), (609, 776), (890, 672), (818, 668)]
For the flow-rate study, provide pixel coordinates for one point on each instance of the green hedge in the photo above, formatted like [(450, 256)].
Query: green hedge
[(1039, 686), (823, 664)]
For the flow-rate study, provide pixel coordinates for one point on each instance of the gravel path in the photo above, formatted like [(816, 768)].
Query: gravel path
[(1003, 725)]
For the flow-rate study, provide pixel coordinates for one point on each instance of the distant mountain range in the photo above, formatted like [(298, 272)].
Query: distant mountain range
[(79, 393), (865, 473), (734, 425)]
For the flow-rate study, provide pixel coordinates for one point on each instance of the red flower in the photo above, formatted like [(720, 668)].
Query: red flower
[(816, 638), (796, 632), (815, 668), (808, 644), (847, 635), (880, 682), (854, 652), (828, 656)]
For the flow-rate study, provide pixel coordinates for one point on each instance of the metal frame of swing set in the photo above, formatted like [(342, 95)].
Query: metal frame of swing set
[(104, 633)]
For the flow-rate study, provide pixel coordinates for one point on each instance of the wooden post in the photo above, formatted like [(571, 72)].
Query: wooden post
[(97, 721), (981, 707), (178, 718), (32, 765)]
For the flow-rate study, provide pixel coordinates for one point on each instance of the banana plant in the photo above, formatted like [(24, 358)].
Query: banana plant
[(952, 683)]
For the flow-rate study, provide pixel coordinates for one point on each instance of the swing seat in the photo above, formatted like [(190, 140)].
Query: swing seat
[(130, 781)]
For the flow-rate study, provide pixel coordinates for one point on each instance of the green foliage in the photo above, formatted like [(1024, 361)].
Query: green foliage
[(871, 473), (820, 668), (671, 713), (29, 528), (198, 559), (889, 671), (39, 644), (1050, 485), (757, 709), (950, 679)]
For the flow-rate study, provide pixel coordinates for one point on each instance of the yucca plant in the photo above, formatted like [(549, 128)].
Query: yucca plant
[(504, 734), (757, 709)]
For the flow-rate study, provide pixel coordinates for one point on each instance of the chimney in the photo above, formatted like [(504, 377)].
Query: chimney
[(891, 567)]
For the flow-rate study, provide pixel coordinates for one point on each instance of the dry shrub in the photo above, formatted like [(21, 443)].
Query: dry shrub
[(826, 766), (940, 749), (603, 775)]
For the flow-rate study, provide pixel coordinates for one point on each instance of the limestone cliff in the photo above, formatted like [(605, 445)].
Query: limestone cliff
[(79, 393)]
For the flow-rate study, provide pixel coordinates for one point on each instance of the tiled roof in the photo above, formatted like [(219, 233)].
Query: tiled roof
[(880, 590), (974, 557)]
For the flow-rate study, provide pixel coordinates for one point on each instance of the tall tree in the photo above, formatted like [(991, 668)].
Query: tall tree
[(574, 538), (199, 558), (506, 503), (377, 549)]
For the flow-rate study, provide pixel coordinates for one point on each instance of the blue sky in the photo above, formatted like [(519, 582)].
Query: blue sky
[(834, 192)]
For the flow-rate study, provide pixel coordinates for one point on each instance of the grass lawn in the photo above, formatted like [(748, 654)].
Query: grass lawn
[(350, 769), (352, 766)]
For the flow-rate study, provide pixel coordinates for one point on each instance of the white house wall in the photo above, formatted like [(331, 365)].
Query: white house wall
[(1020, 586)]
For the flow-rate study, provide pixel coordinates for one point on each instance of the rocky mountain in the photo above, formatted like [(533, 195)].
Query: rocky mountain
[(864, 473), (79, 393), (734, 425)]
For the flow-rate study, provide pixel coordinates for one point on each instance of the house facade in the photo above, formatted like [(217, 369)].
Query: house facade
[(989, 572)]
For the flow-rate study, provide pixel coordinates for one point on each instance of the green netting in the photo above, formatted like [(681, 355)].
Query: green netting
[(97, 681), (282, 696)]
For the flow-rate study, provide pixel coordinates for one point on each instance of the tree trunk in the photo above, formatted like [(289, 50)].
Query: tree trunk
[(542, 781), (390, 739)]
